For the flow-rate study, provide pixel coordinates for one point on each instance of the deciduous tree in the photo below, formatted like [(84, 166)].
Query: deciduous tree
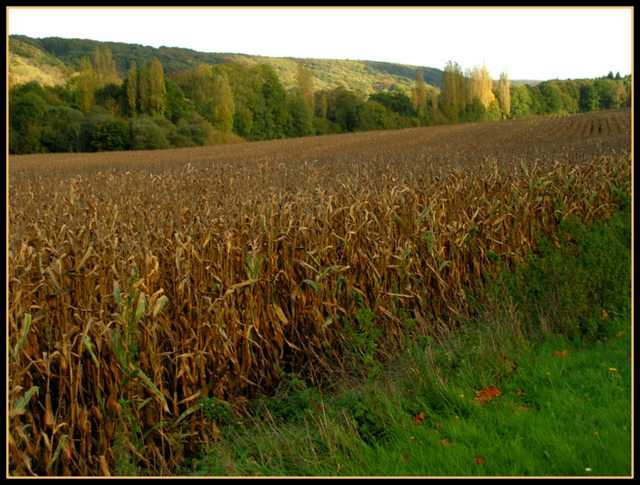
[(157, 89), (453, 97), (306, 86), (223, 106), (420, 96), (104, 67), (132, 89), (85, 86), (480, 86), (504, 94)]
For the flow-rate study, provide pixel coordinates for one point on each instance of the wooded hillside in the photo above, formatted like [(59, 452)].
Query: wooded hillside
[(364, 76), (69, 95)]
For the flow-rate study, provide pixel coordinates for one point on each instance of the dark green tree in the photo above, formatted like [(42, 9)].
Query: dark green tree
[(148, 134), (26, 112), (373, 117), (551, 98), (520, 101), (61, 129), (193, 130), (610, 93), (102, 131), (271, 116), (301, 117), (178, 106), (474, 112), (396, 101), (588, 97), (346, 110)]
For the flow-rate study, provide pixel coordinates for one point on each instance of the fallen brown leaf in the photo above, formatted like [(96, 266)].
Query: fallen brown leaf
[(487, 394), (418, 419)]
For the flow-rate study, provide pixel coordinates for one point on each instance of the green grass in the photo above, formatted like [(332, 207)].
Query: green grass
[(557, 416), (553, 335)]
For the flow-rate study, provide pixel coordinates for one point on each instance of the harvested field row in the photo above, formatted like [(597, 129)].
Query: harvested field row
[(141, 283)]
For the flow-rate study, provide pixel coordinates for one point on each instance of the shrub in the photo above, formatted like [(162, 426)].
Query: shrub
[(104, 132), (578, 290), (147, 134), (62, 128)]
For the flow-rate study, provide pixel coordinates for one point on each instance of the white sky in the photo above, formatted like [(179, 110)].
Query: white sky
[(530, 43)]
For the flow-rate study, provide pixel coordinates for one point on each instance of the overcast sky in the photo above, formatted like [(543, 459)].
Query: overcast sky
[(530, 43)]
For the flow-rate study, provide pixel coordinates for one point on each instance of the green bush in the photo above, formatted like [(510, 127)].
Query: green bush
[(293, 397), (582, 289), (104, 132), (193, 128), (61, 130), (147, 134), (217, 410)]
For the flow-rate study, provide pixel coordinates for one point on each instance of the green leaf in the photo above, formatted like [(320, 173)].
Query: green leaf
[(116, 293), (129, 376), (313, 285), (424, 213), (86, 344), (155, 426), (189, 411), (142, 303), (26, 326), (152, 387), (56, 454), (144, 403), (24, 402), (326, 271), (328, 321)]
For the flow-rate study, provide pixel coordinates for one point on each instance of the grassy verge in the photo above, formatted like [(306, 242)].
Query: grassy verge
[(537, 384)]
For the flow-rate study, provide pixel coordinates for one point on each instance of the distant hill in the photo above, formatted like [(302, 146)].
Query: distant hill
[(29, 63), (52, 60)]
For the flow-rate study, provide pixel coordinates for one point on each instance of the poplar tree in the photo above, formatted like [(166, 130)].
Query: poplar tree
[(504, 93), (143, 90), (223, 107), (323, 106), (95, 72), (453, 96), (487, 96), (420, 96), (132, 88), (480, 84), (85, 86), (305, 85), (104, 67), (157, 89)]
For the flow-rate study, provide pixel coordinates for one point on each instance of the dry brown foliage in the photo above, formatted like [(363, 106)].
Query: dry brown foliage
[(140, 283)]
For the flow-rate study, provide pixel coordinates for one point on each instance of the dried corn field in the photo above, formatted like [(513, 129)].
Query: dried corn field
[(140, 283)]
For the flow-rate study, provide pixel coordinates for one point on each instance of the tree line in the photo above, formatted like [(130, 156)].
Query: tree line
[(209, 104)]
